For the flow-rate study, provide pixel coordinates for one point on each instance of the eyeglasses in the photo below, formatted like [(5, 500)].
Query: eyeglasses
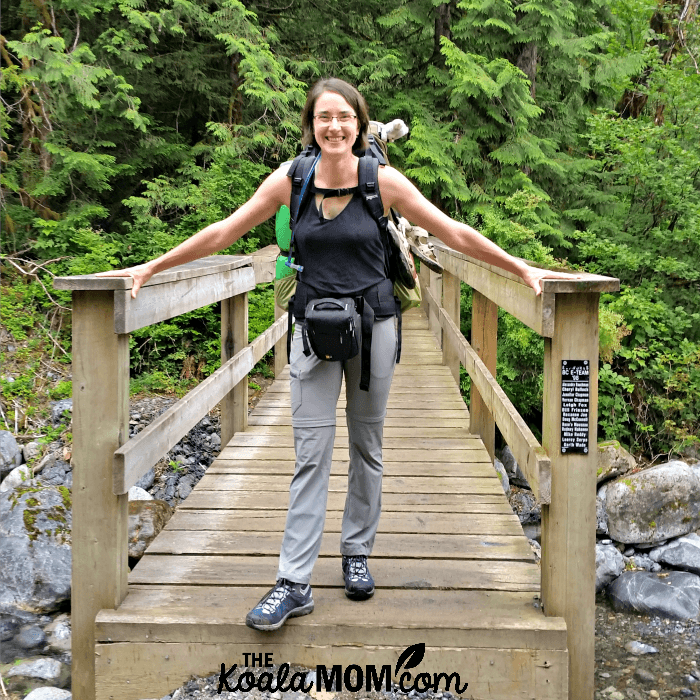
[(326, 119)]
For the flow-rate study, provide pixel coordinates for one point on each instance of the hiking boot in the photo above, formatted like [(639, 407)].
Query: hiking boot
[(359, 584), (285, 599)]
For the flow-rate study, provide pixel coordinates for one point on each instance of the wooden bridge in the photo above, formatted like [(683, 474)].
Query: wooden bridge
[(452, 567)]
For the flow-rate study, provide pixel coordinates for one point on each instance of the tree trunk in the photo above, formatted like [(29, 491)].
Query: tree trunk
[(527, 62), (671, 40)]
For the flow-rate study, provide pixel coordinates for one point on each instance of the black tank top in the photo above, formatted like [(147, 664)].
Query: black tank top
[(343, 255)]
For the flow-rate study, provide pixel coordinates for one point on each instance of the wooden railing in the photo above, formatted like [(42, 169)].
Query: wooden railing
[(566, 316), (105, 462)]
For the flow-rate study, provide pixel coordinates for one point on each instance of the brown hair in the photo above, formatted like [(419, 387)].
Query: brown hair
[(350, 94)]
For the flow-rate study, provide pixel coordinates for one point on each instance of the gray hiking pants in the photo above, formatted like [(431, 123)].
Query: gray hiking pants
[(315, 388)]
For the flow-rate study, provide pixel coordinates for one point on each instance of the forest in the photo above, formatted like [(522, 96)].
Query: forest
[(567, 132)]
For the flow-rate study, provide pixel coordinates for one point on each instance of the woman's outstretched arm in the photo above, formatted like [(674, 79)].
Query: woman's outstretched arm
[(399, 192), (274, 191)]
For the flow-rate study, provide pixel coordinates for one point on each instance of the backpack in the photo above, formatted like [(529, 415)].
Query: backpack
[(398, 260)]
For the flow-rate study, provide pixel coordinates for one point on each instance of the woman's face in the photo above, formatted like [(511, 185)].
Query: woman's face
[(335, 124)]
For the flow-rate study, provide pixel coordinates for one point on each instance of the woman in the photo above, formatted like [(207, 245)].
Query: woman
[(342, 253)]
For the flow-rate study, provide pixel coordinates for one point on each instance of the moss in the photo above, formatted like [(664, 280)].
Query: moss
[(630, 484), (652, 523), (65, 494), (58, 513), (609, 443), (29, 518)]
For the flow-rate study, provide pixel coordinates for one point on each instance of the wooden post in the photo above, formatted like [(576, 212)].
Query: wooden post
[(424, 279), (451, 293), (280, 346), (434, 314), (569, 522), (234, 337), (485, 342), (100, 519)]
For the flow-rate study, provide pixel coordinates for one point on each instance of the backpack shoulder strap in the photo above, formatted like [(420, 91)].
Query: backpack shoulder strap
[(368, 183), (298, 172)]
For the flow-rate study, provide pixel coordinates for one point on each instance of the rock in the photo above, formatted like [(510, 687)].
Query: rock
[(184, 487), (642, 561), (47, 460), (654, 504), (502, 475), (638, 649), (35, 548), (613, 461), (59, 634), (138, 494), (147, 480), (601, 515), (683, 553), (31, 451), (30, 637), (55, 473), (525, 506), (515, 474), (57, 409), (8, 627), (10, 453), (674, 595), (644, 676), (49, 694), (215, 440), (30, 674), (17, 476), (146, 520), (608, 565), (533, 531)]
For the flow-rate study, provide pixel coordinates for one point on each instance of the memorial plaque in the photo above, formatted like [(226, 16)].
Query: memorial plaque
[(575, 403)]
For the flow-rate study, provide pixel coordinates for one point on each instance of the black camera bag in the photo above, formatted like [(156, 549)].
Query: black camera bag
[(332, 329)]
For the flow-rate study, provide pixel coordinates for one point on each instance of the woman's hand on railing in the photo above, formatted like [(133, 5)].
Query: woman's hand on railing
[(139, 273), (533, 277)]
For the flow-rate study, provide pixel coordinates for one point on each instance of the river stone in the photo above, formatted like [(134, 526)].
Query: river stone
[(146, 520), (55, 473), (10, 453), (674, 595), (59, 634), (601, 516), (683, 553), (49, 694), (502, 475), (30, 674), (8, 627), (30, 637), (147, 480), (613, 461), (35, 548), (136, 493), (57, 409), (15, 478), (609, 564), (515, 474), (31, 451), (655, 504), (525, 506), (639, 648)]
